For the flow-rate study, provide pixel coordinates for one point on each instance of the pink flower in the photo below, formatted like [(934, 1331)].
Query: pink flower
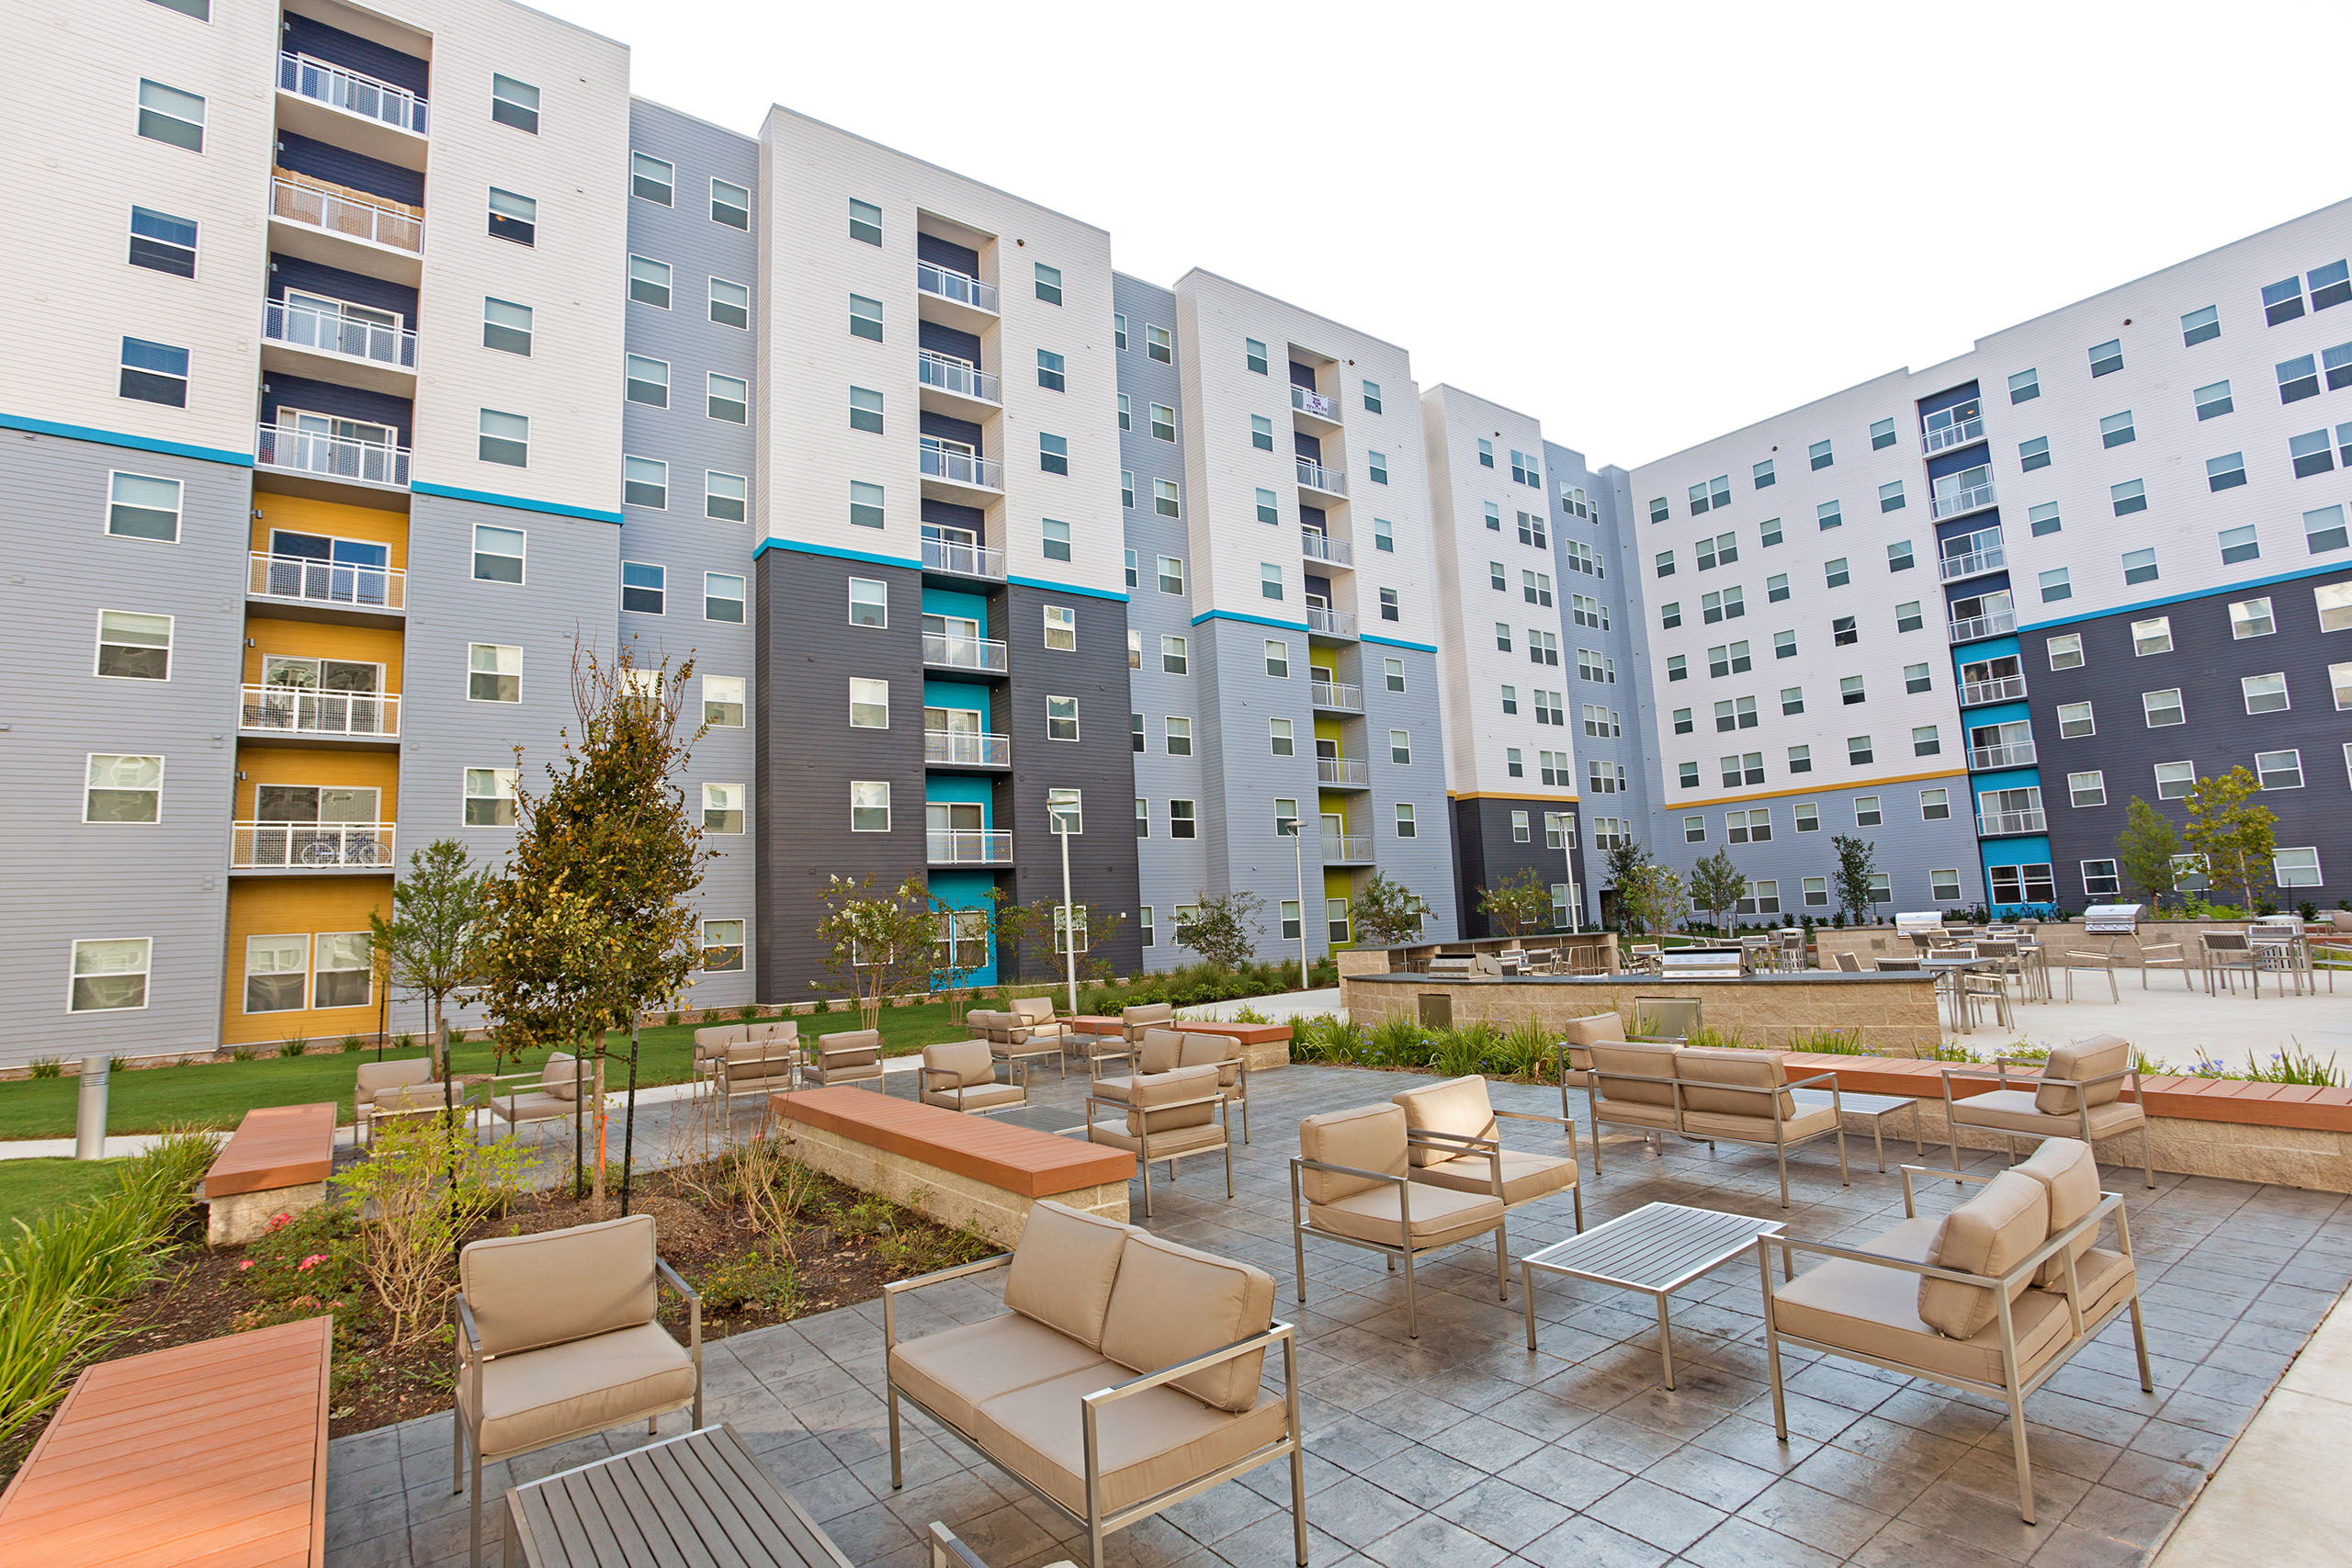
[(304, 1266), (279, 1222), (246, 1265)]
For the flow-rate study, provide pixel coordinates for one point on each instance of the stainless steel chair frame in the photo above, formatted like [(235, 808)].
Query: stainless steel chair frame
[(1300, 1229), (1018, 1071), (1493, 1148), (1144, 1156), (2000, 1074), (1594, 1099)]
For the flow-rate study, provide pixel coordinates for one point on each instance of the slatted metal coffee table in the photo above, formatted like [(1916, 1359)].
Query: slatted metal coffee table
[(1656, 1250), (694, 1500)]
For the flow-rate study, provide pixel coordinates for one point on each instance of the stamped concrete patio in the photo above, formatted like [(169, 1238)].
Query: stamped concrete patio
[(1461, 1449)]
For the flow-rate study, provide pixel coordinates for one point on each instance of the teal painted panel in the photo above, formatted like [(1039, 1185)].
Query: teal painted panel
[(2008, 778), (967, 890), (956, 694), (948, 602), (960, 790), (1999, 713), (2031, 850)]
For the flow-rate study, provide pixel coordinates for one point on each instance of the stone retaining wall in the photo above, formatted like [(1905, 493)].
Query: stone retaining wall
[(939, 1194)]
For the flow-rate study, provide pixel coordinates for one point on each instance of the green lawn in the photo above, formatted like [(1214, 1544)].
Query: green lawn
[(31, 1188), (217, 1094)]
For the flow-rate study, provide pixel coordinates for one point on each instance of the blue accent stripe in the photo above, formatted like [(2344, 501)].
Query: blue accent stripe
[(2251, 582), (1398, 642), (136, 443), (1065, 588), (516, 502), (801, 549), (1252, 620)]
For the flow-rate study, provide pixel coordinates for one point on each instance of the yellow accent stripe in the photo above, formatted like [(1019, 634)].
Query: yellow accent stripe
[(1498, 795), (1817, 789)]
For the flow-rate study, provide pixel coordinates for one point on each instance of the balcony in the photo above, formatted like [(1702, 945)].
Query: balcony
[(345, 229), (1976, 693), (288, 450), (1347, 849), (351, 108), (312, 581), (310, 846), (955, 299), (2015, 754), (963, 561), (1945, 437), (1332, 622), (1973, 555), (952, 387), (945, 651), (963, 749), (379, 357), (1336, 696), (1996, 824), (1960, 502), (1323, 547), (956, 474), (1345, 772), (312, 714), (1970, 628), (967, 846), (1314, 475), (1313, 405)]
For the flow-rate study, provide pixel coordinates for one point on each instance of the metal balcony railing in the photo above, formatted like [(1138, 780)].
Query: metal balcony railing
[(966, 560), (965, 652), (302, 710), (962, 469), (306, 326), (331, 456), (1972, 563), (1336, 623), (2017, 754), (340, 88), (955, 375), (967, 846), (1315, 475), (326, 582), (1958, 503), (1315, 403), (1969, 628), (1955, 434), (1347, 849), (339, 212), (1343, 771), (964, 748), (1338, 696), (1976, 693), (963, 289), (1322, 546), (1993, 824), (309, 846)]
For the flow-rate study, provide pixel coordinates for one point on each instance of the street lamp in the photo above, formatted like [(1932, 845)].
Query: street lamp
[(1298, 865), (1064, 817)]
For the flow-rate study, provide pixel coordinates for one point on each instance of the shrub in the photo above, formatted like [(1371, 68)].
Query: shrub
[(1714, 1039), (751, 1280), (1462, 1053), (749, 1011), (1399, 1043), (48, 1067), (2295, 1066), (1527, 1051), (403, 1042), (1251, 1015), (1828, 1041), (242, 1053), (426, 1185), (293, 1045), (118, 1063)]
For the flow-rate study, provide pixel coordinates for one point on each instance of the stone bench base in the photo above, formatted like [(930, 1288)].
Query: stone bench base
[(938, 1193), (236, 1218)]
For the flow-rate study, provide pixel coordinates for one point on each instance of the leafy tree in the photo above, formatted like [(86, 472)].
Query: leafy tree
[(879, 945), (1717, 885), (1521, 902), (2236, 837), (426, 949), (1015, 928), (1652, 895), (2144, 851), (1627, 857), (1226, 930), (1387, 912), (1857, 864)]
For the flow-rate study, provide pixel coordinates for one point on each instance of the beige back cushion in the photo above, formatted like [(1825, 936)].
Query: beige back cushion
[(1990, 1234), (1160, 1051), (968, 1059), (1179, 1083), (1634, 1056), (2092, 1058), (713, 1041), (2065, 1167), (1460, 1106), (1600, 1026), (1171, 1304), (1212, 1051), (557, 1078), (1062, 1269), (1370, 1137), (779, 1032), (374, 1077), (558, 1286), (1704, 1065), (1148, 1012), (851, 1047), (1032, 1009)]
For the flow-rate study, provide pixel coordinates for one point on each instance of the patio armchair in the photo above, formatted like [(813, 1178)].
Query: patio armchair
[(2079, 1095), (1713, 1095), (1455, 1125), (2279, 951), (383, 1087), (1352, 1182), (1166, 1116), (1992, 1299), (2224, 954), (961, 1076), (767, 1062), (2164, 955), (853, 1055), (1849, 963), (715, 1043), (558, 1338), (1026, 1029), (2103, 960), (1577, 1037), (554, 1092)]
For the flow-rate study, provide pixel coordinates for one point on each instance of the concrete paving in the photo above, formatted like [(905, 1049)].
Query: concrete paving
[(2177, 1025)]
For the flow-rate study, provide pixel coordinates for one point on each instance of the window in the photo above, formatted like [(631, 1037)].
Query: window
[(2295, 868), (506, 326), (1829, 515), (1270, 580), (506, 438), (1820, 453), (2024, 387), (1062, 633), (2264, 693), (276, 973), (1513, 762), (1882, 434), (123, 789), (1843, 632), (869, 602), (723, 701), (1388, 605), (864, 504), (1254, 354), (2057, 583), (1405, 827), (869, 806), (2324, 529), (648, 282), (649, 381), (2033, 454), (1281, 739), (2076, 721), (166, 114), (1054, 538), (1690, 778), (1665, 563), (1519, 827), (1177, 734), (2162, 708), (1181, 824), (513, 218), (490, 796), (1907, 616), (1858, 749), (644, 482), (2309, 452), (2298, 378), (1400, 748), (134, 647), (1393, 674), (1835, 573), (153, 372), (1816, 892), (1261, 433), (1167, 499), (1127, 494), (1850, 690), (141, 507), (2239, 544), (1050, 286), (865, 221), (2066, 652), (1119, 331), (2140, 566), (1335, 919), (2200, 326), (729, 398), (1050, 370), (2152, 635), (2339, 680), (650, 179), (1925, 741), (1371, 397), (732, 204), (2338, 363), (722, 946), (2107, 357), (1171, 574), (642, 588), (1053, 455), (1378, 462), (1808, 816), (162, 242), (731, 303), (1278, 659), (1062, 718), (2175, 780), (1677, 667), (724, 496), (1175, 655), (1866, 811), (2279, 770), (2330, 285), (2225, 472), (1384, 536), (1890, 496), (493, 674), (1136, 733), (1558, 827), (865, 318), (2116, 429), (1748, 827)]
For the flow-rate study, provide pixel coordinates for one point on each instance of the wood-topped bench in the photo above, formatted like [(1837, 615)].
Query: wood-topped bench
[(1264, 1045), (212, 1454), (276, 1163), (968, 1172)]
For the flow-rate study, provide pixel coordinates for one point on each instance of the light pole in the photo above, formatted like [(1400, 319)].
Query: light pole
[(1298, 865), (1065, 818)]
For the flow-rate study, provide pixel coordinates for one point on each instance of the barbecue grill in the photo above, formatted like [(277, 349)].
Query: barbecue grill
[(2112, 920)]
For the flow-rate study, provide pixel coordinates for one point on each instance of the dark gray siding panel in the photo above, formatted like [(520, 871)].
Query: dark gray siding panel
[(314, 277), (340, 165), (1489, 855), (331, 398), (320, 42)]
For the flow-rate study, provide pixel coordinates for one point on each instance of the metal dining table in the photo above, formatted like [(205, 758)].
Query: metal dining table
[(1947, 973)]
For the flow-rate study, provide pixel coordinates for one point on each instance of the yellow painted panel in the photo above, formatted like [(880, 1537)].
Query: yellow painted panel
[(1336, 885), (1330, 729), (324, 639), (310, 908), (332, 518), (1331, 805), (289, 766)]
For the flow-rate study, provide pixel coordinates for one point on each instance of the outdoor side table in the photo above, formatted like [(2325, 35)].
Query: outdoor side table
[(685, 1502), (1878, 1108), (1654, 1251)]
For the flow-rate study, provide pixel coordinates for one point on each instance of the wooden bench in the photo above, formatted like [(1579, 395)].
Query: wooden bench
[(212, 1454), (1264, 1046), (276, 1163), (968, 1172)]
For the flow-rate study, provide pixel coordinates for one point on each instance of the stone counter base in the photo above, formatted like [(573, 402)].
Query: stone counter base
[(2232, 1151), (236, 1218), (946, 1196)]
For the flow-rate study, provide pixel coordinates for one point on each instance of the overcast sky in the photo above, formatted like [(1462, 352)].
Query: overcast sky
[(1644, 224)]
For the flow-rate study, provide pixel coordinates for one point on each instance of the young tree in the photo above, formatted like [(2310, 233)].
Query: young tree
[(881, 945), (1521, 902), (1226, 930), (1626, 859), (2144, 851), (1653, 896), (2236, 837), (1857, 864), (1014, 929), (1717, 885), (426, 949), (1387, 912)]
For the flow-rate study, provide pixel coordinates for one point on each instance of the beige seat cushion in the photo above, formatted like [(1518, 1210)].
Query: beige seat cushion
[(1807, 1123), (529, 1291), (1874, 1312), (2106, 1278), (1166, 1142), (1525, 1177), (1989, 1235), (1160, 1051), (2092, 1058), (957, 1371), (539, 1397), (1457, 1106), (1150, 1442), (1171, 1304), (851, 1048), (713, 1040), (981, 1097), (968, 1060), (759, 1060), (1638, 1057), (424, 1097), (2067, 1168), (1441, 1215), (1631, 1113), (374, 1077), (1063, 1267), (1212, 1051), (520, 1108), (1033, 1009), (1702, 1068), (2015, 1111), (1368, 1137)]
